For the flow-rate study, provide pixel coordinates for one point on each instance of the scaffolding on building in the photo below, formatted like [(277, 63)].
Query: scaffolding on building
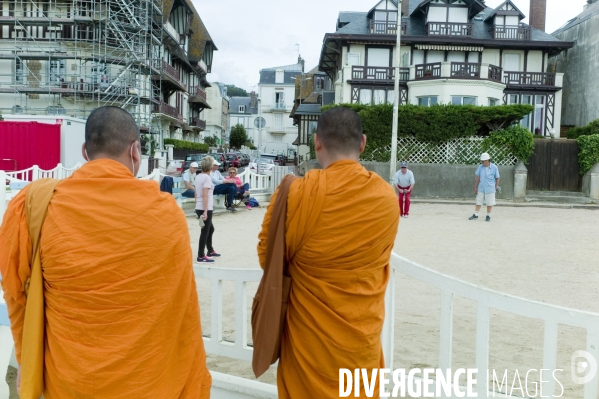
[(72, 56)]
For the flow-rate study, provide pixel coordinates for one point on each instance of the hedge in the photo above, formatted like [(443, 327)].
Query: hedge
[(187, 145), (435, 124), (516, 138), (588, 155), (590, 129)]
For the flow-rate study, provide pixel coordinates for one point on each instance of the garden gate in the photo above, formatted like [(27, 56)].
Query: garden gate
[(554, 166)]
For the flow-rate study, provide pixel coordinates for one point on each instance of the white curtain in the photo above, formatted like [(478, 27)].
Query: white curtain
[(353, 59), (473, 56), (511, 20), (378, 57), (365, 96), (418, 57), (435, 56), (379, 96), (437, 14), (458, 14), (511, 62), (456, 56)]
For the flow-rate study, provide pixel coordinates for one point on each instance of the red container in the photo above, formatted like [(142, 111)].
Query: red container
[(28, 144)]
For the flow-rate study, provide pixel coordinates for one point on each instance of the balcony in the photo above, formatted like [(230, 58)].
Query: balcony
[(495, 73), (197, 98), (529, 79), (449, 29), (386, 27), (197, 91), (465, 70), (278, 106), (168, 110), (169, 75), (508, 32), (382, 74), (170, 29), (428, 71), (197, 123)]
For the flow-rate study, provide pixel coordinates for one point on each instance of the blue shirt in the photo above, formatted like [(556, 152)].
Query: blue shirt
[(488, 176)]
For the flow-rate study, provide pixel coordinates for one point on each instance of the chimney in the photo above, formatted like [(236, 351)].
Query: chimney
[(300, 60), (253, 99), (405, 8), (538, 10)]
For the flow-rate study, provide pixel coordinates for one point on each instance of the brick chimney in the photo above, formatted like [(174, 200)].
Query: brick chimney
[(253, 99), (405, 8), (538, 10)]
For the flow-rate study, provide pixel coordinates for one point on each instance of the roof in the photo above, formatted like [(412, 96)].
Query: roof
[(590, 11), (268, 76), (308, 109), (235, 102), (292, 67), (200, 36), (358, 24)]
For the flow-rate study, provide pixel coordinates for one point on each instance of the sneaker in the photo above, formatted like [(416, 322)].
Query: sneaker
[(212, 254), (473, 217), (204, 259), (231, 209), (488, 218), (406, 215), (248, 207)]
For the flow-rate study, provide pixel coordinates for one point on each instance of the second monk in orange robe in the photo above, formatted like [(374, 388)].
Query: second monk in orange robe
[(340, 228)]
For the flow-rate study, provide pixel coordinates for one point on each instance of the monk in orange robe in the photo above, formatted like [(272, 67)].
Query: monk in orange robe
[(341, 224), (121, 307)]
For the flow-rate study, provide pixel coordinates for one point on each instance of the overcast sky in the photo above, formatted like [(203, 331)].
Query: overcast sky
[(256, 34)]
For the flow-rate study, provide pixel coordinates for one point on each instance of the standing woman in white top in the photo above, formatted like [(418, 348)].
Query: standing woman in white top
[(204, 201)]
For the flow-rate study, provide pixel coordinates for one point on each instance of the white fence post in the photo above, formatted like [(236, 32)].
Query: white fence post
[(2, 194), (59, 174), (156, 175), (35, 173), (387, 338)]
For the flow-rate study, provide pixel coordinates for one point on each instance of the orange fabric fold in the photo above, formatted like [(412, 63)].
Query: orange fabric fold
[(341, 225), (122, 312)]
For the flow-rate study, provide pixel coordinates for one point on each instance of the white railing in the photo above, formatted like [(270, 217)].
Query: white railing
[(33, 173), (28, 175), (279, 172), (257, 182), (487, 299)]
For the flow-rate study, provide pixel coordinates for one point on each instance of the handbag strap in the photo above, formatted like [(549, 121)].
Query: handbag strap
[(276, 229)]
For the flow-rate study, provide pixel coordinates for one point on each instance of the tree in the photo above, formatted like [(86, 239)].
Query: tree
[(234, 91), (238, 136), (211, 141)]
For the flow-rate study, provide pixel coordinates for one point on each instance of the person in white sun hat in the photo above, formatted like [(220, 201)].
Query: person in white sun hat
[(485, 185)]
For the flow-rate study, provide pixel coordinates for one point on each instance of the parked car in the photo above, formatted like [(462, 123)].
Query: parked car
[(246, 159), (192, 158), (234, 159), (175, 168), (266, 166), (220, 157)]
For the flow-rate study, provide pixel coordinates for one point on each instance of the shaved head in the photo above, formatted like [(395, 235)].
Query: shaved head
[(340, 131), (109, 131)]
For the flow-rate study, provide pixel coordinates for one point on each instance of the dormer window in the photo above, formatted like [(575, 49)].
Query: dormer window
[(448, 18), (383, 18), (506, 23), (279, 76), (242, 109)]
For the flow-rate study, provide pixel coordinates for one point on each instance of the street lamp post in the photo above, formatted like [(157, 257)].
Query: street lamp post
[(393, 163), (259, 134)]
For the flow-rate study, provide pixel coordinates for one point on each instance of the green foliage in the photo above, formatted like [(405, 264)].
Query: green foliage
[(234, 91), (517, 139), (311, 144), (149, 144), (435, 124), (211, 141), (588, 152), (250, 145), (590, 129), (187, 145), (238, 136)]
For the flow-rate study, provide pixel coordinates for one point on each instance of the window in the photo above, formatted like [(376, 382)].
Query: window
[(242, 109), (511, 62), (535, 121), (278, 123), (493, 102), (18, 70), (57, 71), (463, 100), (319, 82), (279, 76), (380, 57), (427, 101)]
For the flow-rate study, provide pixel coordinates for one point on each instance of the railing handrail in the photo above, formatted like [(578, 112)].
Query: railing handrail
[(530, 78), (366, 72)]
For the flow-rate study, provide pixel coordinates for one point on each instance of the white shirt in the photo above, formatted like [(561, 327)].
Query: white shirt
[(187, 176), (203, 181), (404, 179)]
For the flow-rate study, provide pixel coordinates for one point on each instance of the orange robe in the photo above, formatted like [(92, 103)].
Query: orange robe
[(340, 228), (122, 311)]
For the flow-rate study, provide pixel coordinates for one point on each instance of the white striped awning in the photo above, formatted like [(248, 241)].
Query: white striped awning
[(446, 47)]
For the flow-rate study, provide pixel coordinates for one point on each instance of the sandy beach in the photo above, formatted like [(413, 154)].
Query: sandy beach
[(548, 255)]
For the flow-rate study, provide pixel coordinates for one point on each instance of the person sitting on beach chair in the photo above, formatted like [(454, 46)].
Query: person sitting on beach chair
[(243, 190)]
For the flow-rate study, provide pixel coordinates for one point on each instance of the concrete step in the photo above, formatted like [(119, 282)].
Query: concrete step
[(562, 199), (555, 193)]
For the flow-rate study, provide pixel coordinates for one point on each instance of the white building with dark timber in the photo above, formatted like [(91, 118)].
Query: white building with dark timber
[(452, 52)]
